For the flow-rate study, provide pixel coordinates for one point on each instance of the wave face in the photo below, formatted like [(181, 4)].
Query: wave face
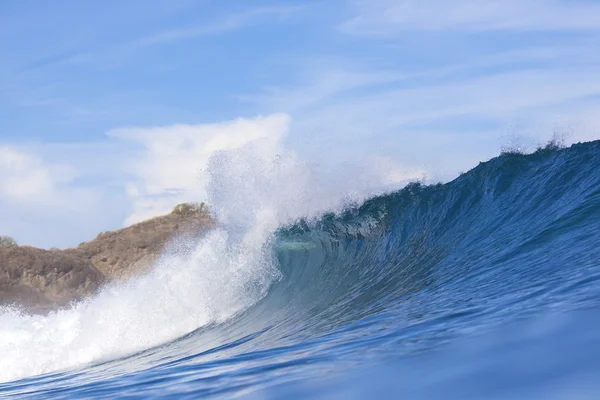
[(369, 299)]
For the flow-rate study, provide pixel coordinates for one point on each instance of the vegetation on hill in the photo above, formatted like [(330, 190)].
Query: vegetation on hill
[(7, 241), (188, 209)]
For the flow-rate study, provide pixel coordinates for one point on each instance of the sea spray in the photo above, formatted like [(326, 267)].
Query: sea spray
[(220, 275), (253, 190)]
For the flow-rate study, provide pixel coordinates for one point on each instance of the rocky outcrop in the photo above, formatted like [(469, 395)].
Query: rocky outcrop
[(37, 279)]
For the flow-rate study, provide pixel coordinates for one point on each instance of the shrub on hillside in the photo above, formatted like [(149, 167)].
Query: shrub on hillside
[(7, 241), (190, 209)]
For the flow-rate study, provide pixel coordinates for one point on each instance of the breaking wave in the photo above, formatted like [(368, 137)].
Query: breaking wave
[(286, 292)]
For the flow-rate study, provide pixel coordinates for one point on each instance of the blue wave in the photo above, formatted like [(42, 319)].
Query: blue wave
[(395, 281)]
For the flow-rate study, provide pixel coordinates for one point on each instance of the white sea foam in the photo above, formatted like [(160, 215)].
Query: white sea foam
[(182, 293)]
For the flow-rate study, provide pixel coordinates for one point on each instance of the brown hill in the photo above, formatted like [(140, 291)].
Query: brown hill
[(39, 280)]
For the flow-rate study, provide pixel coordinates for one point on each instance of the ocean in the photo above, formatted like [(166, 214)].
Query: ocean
[(487, 286)]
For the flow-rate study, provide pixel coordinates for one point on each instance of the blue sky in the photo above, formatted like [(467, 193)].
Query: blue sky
[(92, 93)]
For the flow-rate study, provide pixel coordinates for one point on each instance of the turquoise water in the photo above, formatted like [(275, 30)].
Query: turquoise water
[(484, 287)]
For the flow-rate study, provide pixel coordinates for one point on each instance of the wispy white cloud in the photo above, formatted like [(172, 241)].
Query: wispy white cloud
[(40, 198), (443, 119), (502, 96), (54, 75), (377, 17), (24, 177), (319, 84), (326, 82), (226, 24)]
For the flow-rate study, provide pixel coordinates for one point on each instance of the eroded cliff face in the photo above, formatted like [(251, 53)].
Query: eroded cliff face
[(40, 280)]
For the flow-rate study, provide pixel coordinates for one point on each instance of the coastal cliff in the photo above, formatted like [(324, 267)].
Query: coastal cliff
[(37, 280)]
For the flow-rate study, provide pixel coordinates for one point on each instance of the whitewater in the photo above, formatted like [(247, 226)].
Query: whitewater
[(485, 286)]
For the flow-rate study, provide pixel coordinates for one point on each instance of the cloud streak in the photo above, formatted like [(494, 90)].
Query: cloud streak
[(227, 24), (384, 17)]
